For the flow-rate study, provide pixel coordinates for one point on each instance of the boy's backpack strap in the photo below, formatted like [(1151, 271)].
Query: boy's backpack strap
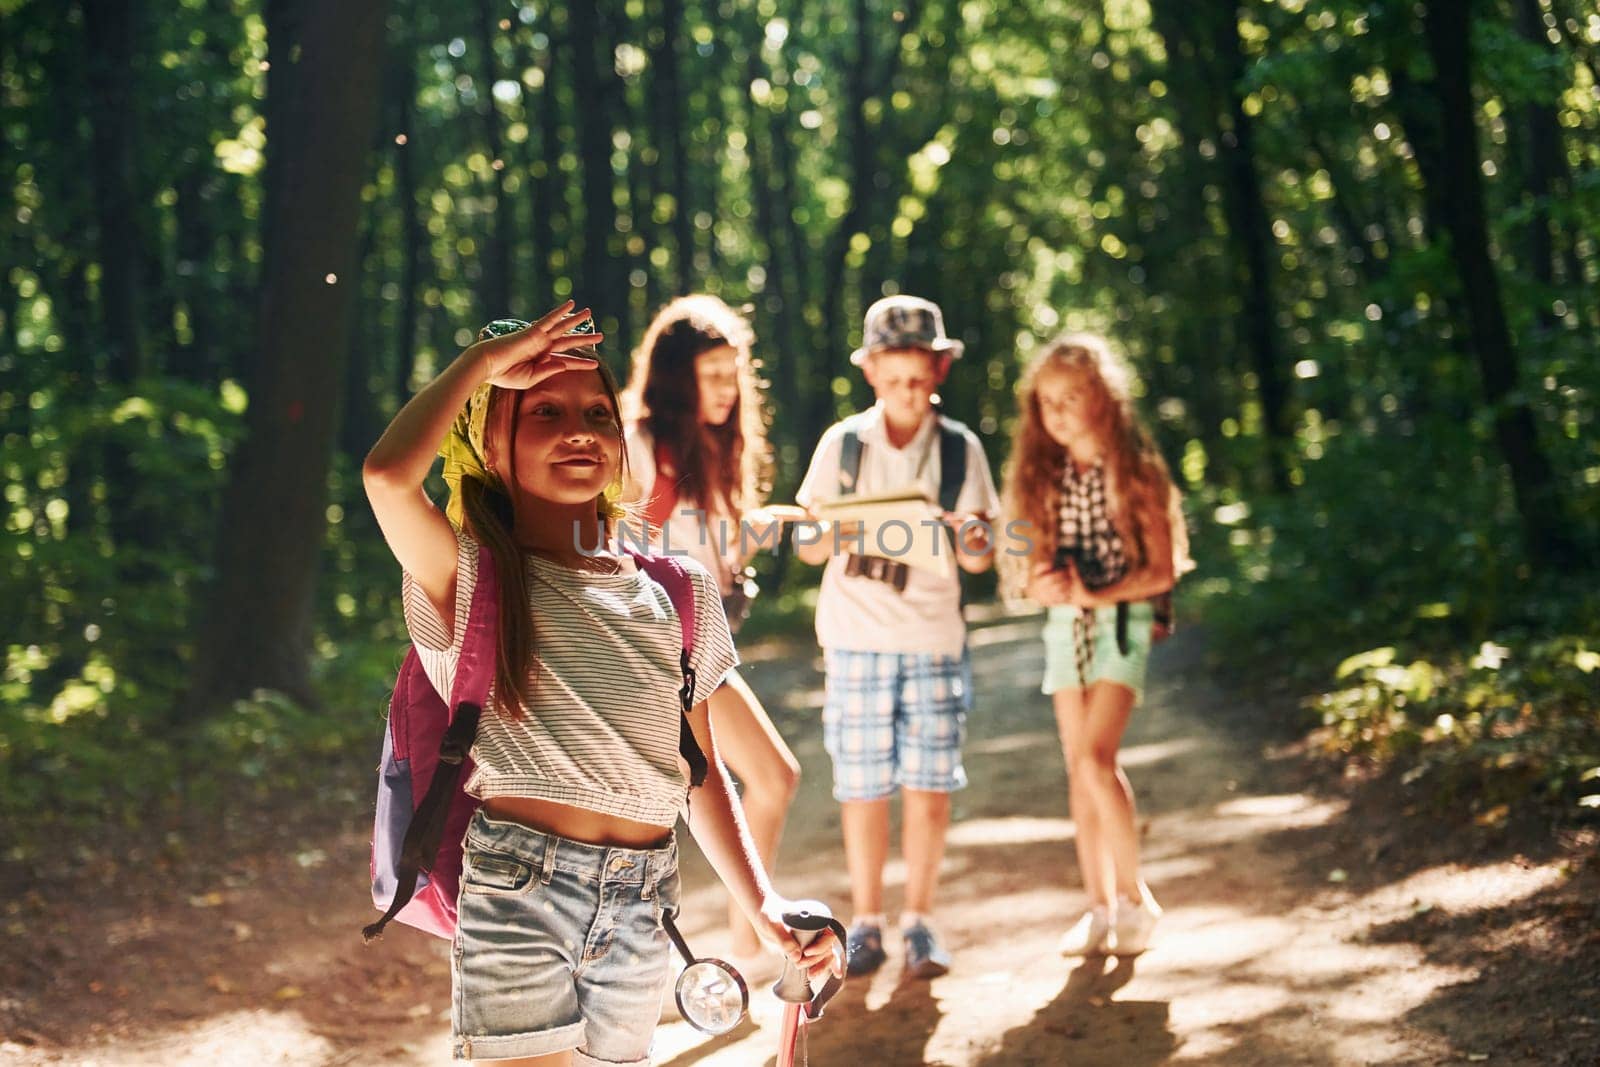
[(952, 461), (850, 450), (672, 577), (468, 692)]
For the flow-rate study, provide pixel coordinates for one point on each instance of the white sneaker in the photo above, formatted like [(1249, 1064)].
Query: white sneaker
[(1136, 921), (1088, 936)]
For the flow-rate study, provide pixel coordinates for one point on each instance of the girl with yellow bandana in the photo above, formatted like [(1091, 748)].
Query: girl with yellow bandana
[(560, 956)]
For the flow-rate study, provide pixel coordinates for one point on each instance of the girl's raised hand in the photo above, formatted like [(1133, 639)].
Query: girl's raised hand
[(523, 359)]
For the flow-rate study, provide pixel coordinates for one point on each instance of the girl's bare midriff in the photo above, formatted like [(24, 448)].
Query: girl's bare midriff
[(576, 824)]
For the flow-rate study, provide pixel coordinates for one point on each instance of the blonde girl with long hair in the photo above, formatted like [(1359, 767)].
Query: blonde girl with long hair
[(1106, 536), (695, 426), (560, 955)]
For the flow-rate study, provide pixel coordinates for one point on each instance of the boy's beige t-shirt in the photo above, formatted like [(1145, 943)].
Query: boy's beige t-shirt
[(863, 614)]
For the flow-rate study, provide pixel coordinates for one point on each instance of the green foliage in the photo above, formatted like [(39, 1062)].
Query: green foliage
[(1511, 723), (1034, 167)]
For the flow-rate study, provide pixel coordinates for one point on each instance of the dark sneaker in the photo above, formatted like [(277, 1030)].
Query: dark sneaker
[(924, 957), (864, 950)]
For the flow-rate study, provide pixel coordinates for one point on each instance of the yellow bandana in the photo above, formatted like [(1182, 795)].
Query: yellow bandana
[(463, 445)]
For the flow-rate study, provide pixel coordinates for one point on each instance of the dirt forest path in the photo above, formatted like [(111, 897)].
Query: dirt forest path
[(1272, 951)]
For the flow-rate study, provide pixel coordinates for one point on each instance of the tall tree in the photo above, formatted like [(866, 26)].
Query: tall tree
[(257, 632), (668, 135), (590, 75), (866, 79), (497, 285), (112, 28), (1208, 36), (1456, 176)]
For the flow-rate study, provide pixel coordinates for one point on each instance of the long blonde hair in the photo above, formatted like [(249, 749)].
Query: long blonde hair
[(490, 519), (1140, 490)]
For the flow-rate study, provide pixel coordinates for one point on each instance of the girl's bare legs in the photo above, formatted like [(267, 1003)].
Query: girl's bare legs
[(1092, 733), (1092, 722), (1098, 876), (752, 748)]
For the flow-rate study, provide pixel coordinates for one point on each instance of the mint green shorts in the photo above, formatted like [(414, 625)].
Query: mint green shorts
[(1108, 664)]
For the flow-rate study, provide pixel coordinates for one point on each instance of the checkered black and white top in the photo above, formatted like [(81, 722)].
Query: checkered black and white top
[(1085, 520)]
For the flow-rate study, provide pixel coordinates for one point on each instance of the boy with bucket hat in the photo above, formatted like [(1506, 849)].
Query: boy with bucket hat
[(899, 684)]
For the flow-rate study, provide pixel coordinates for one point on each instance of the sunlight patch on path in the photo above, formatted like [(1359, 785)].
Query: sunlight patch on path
[(245, 1039), (1461, 890)]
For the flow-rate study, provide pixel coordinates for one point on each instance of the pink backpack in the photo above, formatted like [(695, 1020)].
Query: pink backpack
[(423, 808)]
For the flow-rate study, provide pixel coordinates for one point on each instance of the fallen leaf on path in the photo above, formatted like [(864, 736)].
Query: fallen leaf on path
[(1338, 874), (218, 983), (212, 899), (1495, 816), (289, 992)]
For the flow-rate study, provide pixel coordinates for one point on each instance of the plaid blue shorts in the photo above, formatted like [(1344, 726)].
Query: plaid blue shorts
[(895, 719)]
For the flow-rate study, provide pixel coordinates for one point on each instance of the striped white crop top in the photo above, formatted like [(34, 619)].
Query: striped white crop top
[(602, 731)]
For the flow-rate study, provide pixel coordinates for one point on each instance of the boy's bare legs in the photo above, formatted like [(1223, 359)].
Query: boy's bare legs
[(925, 820), (752, 748), (866, 849)]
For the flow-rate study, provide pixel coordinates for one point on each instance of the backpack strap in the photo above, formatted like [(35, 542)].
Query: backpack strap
[(671, 576), (850, 455), (468, 692), (952, 461)]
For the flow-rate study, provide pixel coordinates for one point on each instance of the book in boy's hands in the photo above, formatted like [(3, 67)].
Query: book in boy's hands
[(905, 525)]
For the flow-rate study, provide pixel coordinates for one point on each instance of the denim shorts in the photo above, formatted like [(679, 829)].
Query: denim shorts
[(559, 946), (1107, 664), (895, 719)]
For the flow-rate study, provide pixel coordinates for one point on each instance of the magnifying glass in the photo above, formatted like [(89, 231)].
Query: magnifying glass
[(712, 996)]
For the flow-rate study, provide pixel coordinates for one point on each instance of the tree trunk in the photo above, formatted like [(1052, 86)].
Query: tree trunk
[(1252, 234), (257, 633), (496, 288), (111, 27), (1540, 504), (283, 20), (1549, 182), (549, 184), (778, 297), (595, 289), (668, 135), (413, 238)]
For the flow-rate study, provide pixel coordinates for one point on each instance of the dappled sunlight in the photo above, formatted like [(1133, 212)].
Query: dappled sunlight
[(1281, 806), (1236, 820), (1462, 890), (1165, 870), (1026, 629), (245, 1039), (1018, 742), (1156, 752), (805, 698), (1017, 830)]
